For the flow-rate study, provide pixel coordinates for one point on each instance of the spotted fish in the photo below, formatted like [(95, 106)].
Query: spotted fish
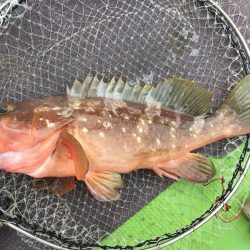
[(101, 130)]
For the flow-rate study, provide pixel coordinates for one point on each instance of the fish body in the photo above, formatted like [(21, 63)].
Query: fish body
[(101, 130)]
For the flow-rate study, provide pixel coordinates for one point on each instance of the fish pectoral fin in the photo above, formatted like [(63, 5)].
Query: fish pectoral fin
[(68, 159), (77, 154), (104, 185), (192, 167), (55, 185)]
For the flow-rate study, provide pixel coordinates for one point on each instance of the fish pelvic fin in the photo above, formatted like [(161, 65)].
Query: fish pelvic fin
[(235, 111), (55, 185), (172, 93), (192, 167), (104, 185)]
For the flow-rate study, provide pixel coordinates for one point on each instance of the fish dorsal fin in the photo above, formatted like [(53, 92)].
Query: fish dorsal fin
[(172, 93)]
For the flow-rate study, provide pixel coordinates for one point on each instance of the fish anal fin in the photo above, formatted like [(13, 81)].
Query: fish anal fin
[(55, 185), (104, 185), (192, 167)]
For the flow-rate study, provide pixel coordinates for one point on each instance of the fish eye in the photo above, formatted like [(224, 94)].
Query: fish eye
[(6, 108)]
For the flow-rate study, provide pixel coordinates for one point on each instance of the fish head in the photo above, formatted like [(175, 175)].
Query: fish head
[(26, 123), (34, 139)]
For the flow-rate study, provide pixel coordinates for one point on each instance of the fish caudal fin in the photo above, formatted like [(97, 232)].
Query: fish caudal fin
[(104, 185), (235, 111), (192, 167)]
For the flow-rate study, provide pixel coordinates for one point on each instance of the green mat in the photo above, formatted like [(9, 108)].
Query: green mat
[(160, 216)]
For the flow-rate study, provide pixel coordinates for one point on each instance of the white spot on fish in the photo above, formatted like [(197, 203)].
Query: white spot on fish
[(123, 130), (134, 134), (82, 119), (101, 134), (90, 109), (197, 126), (107, 125), (173, 146), (138, 139), (85, 130), (172, 129), (140, 129), (142, 121), (174, 123), (126, 117), (150, 121), (56, 108), (158, 141), (49, 124), (75, 104), (65, 113)]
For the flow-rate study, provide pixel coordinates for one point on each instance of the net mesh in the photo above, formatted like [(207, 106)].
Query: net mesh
[(46, 44)]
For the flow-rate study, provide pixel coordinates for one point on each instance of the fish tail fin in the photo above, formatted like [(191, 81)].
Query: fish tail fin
[(235, 111), (104, 185)]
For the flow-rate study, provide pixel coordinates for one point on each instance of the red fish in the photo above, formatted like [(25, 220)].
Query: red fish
[(101, 130)]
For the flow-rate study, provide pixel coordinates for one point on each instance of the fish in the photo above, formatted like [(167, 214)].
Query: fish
[(101, 130)]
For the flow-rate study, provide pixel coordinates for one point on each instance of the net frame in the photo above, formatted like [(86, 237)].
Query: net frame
[(240, 171)]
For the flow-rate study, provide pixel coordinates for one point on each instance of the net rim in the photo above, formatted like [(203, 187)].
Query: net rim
[(156, 243)]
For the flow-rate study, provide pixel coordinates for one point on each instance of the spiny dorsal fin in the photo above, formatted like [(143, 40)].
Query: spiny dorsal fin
[(172, 93)]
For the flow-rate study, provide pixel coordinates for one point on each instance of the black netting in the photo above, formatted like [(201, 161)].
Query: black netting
[(46, 44)]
